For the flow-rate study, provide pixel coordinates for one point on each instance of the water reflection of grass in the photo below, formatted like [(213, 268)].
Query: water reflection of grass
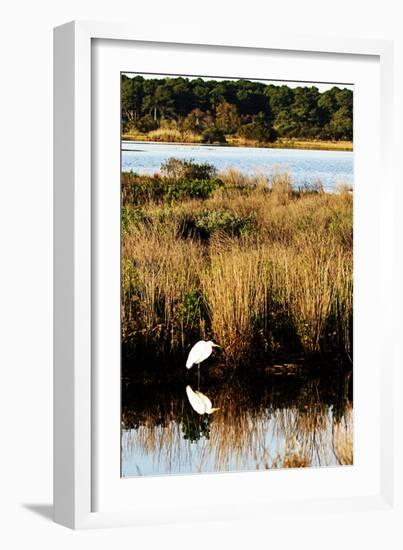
[(256, 427)]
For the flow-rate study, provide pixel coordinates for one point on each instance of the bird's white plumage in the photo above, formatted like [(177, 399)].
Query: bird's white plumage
[(199, 402), (207, 403), (199, 352)]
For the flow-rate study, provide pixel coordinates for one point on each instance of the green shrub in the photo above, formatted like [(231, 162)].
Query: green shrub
[(209, 221), (191, 189), (141, 189), (313, 187), (179, 169), (138, 189), (146, 124), (132, 217), (192, 308), (258, 130), (213, 135)]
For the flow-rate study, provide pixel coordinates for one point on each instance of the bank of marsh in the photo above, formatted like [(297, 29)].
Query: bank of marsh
[(251, 262)]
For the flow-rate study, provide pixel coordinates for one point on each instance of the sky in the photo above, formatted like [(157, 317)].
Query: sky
[(322, 87)]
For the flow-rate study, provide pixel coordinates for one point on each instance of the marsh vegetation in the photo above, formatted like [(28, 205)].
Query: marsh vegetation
[(253, 262)]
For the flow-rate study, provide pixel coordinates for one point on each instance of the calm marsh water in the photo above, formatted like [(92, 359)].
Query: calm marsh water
[(273, 421), (305, 166)]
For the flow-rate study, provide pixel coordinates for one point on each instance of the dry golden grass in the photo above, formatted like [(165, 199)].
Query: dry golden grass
[(173, 135), (235, 287), (314, 144), (158, 270), (283, 143), (168, 132), (315, 279), (232, 177)]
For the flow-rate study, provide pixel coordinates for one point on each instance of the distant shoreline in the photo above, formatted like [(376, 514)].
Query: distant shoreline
[(321, 145)]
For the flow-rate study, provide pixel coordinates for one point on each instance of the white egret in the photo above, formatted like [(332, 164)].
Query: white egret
[(200, 402), (199, 352)]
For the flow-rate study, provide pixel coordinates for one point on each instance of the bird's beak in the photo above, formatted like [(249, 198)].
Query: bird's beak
[(214, 409), (216, 346)]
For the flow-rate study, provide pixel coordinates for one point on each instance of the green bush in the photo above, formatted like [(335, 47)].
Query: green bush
[(146, 124), (191, 189), (208, 222), (179, 169), (192, 308), (141, 189), (258, 130), (313, 187), (213, 135), (138, 189), (132, 217)]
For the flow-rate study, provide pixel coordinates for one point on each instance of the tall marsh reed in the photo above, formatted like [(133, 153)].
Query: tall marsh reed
[(235, 286)]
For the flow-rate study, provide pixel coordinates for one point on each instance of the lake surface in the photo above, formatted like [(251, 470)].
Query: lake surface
[(272, 421), (305, 166)]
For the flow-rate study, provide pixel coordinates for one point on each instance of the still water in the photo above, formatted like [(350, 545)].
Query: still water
[(305, 166), (276, 420)]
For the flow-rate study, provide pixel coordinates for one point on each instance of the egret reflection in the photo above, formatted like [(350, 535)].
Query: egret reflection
[(200, 402)]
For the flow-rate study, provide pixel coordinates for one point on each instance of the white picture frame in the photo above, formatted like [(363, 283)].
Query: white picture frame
[(77, 390)]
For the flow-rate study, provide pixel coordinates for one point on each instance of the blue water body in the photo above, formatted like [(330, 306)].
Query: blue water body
[(304, 166)]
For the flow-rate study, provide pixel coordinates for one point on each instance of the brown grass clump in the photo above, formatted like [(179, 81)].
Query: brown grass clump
[(235, 287), (232, 177), (173, 135), (158, 271)]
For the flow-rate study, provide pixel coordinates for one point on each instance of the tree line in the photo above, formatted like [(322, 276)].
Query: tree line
[(241, 108)]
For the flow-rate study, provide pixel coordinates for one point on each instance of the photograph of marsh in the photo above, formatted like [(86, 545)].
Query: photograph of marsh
[(236, 275)]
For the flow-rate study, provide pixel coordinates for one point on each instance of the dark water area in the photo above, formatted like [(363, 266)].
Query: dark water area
[(291, 414)]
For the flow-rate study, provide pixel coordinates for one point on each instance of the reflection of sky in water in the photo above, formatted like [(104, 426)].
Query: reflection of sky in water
[(169, 437), (305, 166)]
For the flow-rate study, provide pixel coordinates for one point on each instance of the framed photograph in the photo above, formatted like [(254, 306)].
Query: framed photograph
[(220, 260)]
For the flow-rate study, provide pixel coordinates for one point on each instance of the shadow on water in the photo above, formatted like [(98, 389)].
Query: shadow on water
[(273, 418)]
